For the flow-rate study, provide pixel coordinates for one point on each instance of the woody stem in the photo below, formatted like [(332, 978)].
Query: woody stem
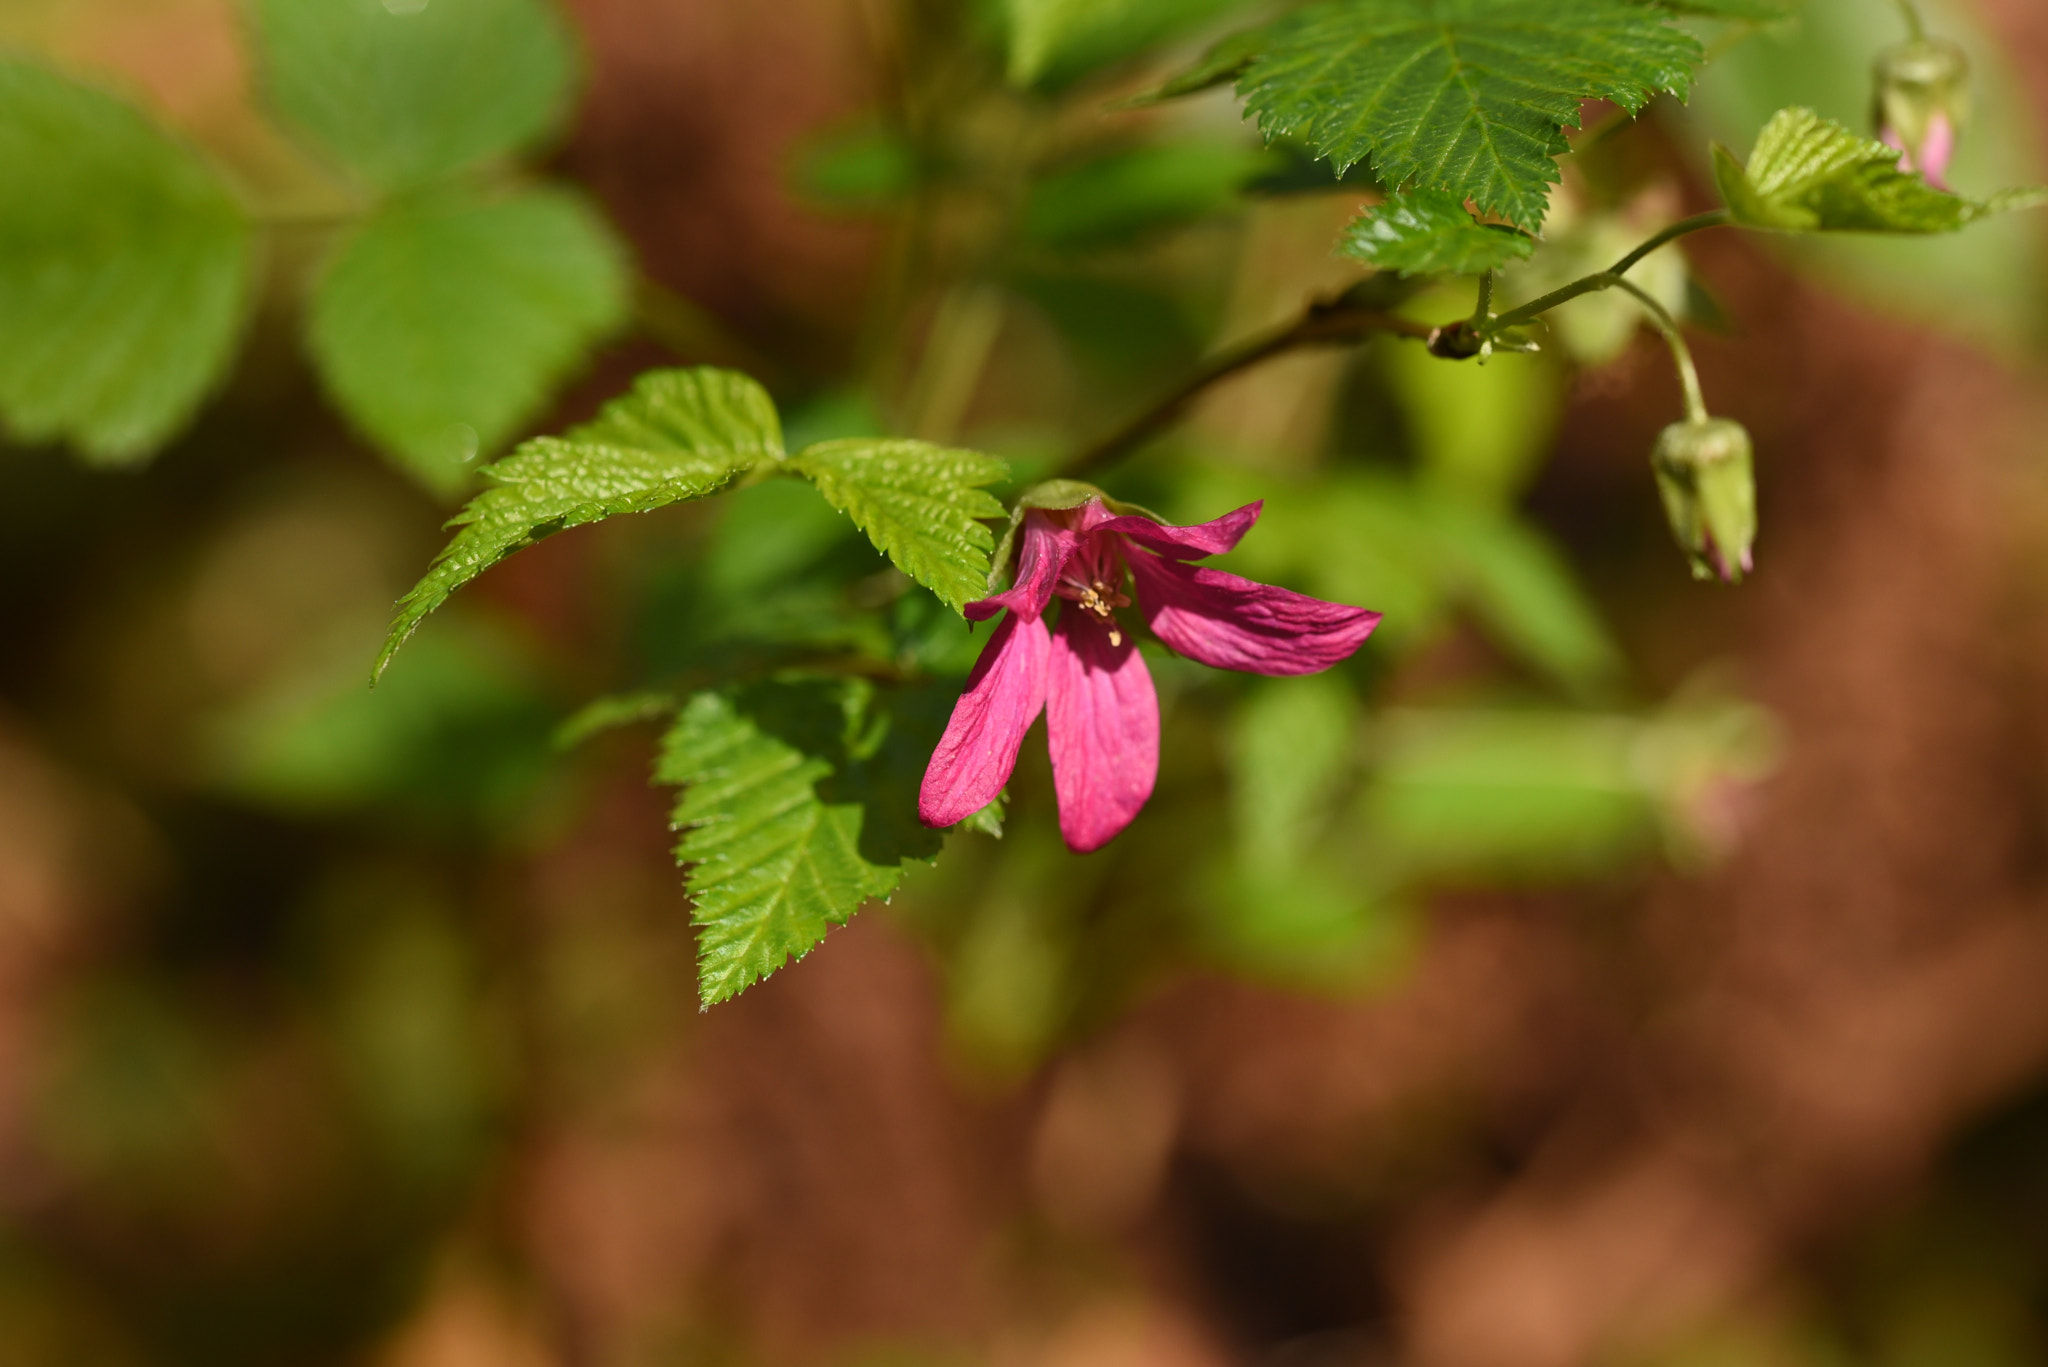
[(1328, 322), (1346, 320)]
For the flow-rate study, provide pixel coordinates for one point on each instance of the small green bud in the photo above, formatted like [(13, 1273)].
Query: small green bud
[(1922, 102), (1706, 475)]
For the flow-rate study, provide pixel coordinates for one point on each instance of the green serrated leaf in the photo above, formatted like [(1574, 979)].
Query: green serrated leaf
[(124, 270), (441, 326), (1466, 96), (1429, 232), (798, 805), (681, 434), (1810, 174), (403, 94), (922, 505)]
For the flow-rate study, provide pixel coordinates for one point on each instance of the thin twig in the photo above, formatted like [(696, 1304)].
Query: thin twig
[(1681, 354), (1327, 322), (1535, 308)]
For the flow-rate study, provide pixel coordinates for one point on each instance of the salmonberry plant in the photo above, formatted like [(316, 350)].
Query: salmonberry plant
[(833, 713)]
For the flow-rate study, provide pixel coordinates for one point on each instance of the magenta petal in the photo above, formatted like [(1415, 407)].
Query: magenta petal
[(1936, 151), (1003, 697), (1102, 716), (1178, 543), (1233, 623), (1045, 547)]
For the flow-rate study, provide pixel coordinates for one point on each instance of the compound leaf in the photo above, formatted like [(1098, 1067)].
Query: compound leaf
[(405, 91), (1466, 96), (124, 270), (1810, 174), (442, 325), (798, 805), (1429, 232), (922, 506), (681, 434)]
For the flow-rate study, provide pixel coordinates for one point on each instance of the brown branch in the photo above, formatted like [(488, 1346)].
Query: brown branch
[(1342, 321)]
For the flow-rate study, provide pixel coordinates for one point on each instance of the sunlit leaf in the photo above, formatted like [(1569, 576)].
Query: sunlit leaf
[(798, 804), (922, 505), (1810, 174), (1429, 232), (681, 434), (441, 326), (124, 270), (404, 93), (1465, 96)]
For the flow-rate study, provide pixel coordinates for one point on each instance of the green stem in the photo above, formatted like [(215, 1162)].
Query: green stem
[(1536, 308), (1484, 309), (1688, 374), (1914, 25)]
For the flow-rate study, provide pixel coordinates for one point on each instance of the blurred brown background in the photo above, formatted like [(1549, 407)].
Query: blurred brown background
[(1791, 1111)]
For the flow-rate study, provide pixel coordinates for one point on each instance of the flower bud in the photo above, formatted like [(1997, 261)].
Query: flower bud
[(1706, 476), (1923, 100)]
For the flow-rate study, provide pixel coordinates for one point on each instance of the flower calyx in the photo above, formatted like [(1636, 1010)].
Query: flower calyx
[(1706, 475), (1922, 101)]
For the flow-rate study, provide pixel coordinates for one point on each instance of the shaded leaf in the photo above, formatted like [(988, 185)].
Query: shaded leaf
[(798, 805), (1124, 195), (681, 434), (124, 270), (1810, 174), (440, 327), (1220, 65), (922, 506), (1063, 38), (1466, 96), (404, 94), (1429, 232)]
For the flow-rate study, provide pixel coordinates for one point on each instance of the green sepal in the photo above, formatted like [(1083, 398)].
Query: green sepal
[(1706, 477), (1052, 496)]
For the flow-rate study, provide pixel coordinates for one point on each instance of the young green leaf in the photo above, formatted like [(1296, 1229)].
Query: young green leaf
[(1220, 65), (1466, 96), (922, 506), (1810, 174), (124, 270), (798, 805), (1429, 232), (1061, 38), (681, 434), (442, 325), (403, 94)]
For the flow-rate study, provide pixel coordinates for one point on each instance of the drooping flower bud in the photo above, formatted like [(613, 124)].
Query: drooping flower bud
[(1923, 101), (1706, 475)]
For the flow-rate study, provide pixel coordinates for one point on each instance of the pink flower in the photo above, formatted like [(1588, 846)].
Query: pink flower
[(1931, 157), (1086, 674)]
